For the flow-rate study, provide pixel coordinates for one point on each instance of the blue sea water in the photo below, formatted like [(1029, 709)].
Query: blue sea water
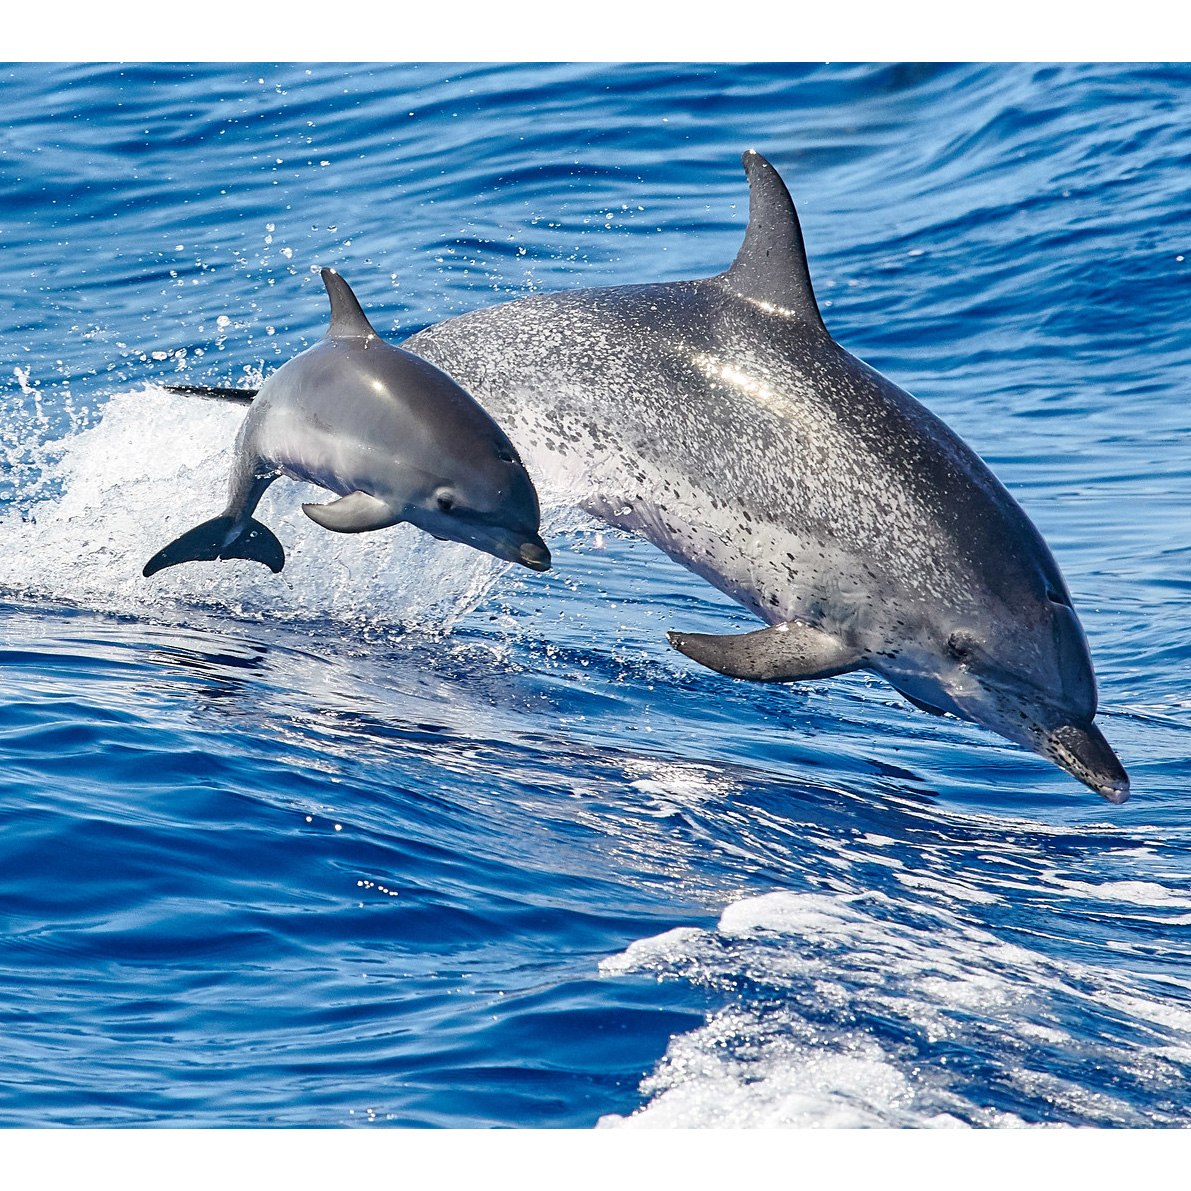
[(401, 837)]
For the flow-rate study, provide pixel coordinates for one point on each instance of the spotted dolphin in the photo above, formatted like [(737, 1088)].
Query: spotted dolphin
[(391, 435), (720, 420)]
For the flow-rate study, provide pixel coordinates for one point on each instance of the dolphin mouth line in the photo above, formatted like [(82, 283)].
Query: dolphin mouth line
[(1114, 789), (526, 552), (534, 557), (532, 553), (1075, 745), (522, 546), (1086, 755)]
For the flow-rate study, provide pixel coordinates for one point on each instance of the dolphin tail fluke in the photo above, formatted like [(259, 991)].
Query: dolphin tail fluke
[(785, 653), (209, 541)]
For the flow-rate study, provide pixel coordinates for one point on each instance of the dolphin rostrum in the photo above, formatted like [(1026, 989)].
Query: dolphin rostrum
[(395, 438), (720, 420)]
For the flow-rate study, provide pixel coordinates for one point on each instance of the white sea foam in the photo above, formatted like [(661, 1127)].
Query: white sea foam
[(669, 786), (855, 1017), (156, 464), (1131, 893)]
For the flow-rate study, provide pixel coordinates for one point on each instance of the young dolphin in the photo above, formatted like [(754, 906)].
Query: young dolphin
[(720, 420), (391, 435)]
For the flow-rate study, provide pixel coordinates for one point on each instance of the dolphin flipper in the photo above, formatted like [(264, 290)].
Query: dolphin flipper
[(785, 653), (357, 512), (209, 541)]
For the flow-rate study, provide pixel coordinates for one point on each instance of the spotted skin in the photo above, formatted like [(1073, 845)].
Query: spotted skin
[(718, 419)]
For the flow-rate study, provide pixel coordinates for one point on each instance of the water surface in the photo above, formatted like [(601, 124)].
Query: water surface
[(400, 836)]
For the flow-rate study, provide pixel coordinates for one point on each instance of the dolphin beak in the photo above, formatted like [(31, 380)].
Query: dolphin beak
[(517, 544), (533, 554), (1083, 752)]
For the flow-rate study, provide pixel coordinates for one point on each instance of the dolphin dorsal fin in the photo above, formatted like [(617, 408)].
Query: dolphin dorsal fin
[(348, 321), (770, 267)]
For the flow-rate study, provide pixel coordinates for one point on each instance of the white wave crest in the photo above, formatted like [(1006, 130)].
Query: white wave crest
[(854, 1017)]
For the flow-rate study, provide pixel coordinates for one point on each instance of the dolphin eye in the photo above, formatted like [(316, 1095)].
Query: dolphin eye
[(445, 502), (507, 456)]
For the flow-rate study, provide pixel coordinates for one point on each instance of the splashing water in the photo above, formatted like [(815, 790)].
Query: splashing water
[(105, 498)]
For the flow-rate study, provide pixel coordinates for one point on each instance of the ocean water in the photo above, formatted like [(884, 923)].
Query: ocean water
[(401, 837)]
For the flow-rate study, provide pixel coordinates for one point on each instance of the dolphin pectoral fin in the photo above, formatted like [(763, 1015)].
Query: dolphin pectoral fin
[(209, 541), (786, 653), (357, 512)]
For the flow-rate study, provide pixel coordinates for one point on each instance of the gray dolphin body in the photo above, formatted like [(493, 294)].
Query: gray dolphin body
[(720, 420), (394, 437)]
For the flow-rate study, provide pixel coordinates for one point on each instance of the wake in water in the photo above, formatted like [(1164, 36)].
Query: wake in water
[(854, 1011)]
